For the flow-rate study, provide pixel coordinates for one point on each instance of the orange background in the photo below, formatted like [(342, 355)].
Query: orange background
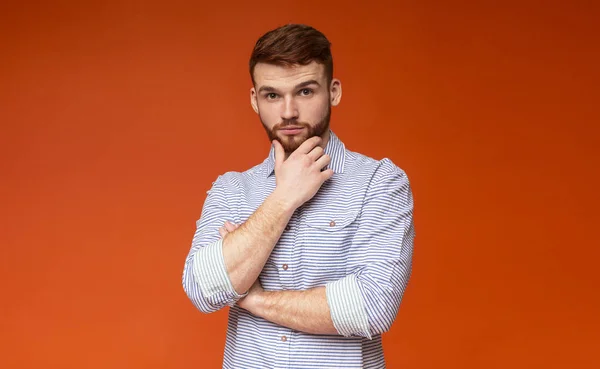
[(116, 118)]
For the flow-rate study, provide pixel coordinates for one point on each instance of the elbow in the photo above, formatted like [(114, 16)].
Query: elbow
[(382, 321), (384, 301), (382, 308), (205, 308), (199, 302)]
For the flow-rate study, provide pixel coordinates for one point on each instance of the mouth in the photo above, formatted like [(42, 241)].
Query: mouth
[(289, 131)]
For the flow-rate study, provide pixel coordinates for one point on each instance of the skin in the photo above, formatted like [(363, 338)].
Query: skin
[(305, 311), (284, 97), (294, 96)]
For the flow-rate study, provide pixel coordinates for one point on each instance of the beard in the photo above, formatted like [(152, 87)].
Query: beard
[(291, 143)]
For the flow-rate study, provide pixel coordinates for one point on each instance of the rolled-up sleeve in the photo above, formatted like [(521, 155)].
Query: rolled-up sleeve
[(205, 279), (365, 302), (347, 307)]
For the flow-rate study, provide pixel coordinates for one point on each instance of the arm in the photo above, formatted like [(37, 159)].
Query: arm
[(366, 301), (246, 249), (218, 271), (381, 276), (215, 267), (204, 279), (305, 311)]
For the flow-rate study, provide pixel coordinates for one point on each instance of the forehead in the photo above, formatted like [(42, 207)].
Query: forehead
[(287, 76)]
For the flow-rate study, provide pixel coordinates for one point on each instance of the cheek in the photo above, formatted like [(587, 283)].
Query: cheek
[(316, 109), (268, 116)]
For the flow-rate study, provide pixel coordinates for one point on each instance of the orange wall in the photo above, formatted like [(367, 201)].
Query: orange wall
[(116, 118)]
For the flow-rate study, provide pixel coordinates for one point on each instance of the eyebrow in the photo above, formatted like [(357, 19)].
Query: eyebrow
[(298, 86)]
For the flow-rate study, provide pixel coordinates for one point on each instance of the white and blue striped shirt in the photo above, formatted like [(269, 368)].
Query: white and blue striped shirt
[(355, 236)]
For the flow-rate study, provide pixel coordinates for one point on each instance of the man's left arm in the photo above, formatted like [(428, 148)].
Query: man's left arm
[(365, 302), (305, 311)]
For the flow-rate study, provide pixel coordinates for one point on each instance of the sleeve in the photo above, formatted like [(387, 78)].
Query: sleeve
[(365, 302), (205, 279)]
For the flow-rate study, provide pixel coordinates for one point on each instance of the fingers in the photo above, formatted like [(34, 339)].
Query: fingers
[(323, 161), (308, 145), (279, 154), (316, 153), (326, 174), (230, 226)]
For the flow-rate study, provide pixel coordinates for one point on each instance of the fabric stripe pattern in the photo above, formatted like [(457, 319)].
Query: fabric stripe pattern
[(355, 237)]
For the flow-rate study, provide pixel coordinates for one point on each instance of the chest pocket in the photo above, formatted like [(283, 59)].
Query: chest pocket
[(326, 244)]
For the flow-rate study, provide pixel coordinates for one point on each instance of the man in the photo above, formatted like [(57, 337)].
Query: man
[(312, 248)]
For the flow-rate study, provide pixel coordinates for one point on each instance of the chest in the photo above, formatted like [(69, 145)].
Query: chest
[(314, 247)]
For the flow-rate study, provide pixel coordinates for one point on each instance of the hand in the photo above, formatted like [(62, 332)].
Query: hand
[(227, 227), (251, 301), (299, 177)]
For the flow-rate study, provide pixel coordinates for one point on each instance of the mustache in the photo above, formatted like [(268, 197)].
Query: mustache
[(290, 122)]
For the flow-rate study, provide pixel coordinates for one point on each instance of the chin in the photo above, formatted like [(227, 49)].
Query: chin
[(291, 143)]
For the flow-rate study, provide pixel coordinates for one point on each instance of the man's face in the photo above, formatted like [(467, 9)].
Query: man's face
[(294, 103)]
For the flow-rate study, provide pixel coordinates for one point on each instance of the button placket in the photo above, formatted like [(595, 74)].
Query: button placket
[(285, 266), (284, 340)]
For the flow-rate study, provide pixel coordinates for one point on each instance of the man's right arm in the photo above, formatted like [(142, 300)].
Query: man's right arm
[(247, 249), (219, 272), (205, 279)]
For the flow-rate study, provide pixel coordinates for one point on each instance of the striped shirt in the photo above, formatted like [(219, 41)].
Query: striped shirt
[(355, 237)]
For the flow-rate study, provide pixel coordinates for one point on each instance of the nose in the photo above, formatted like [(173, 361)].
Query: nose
[(290, 109)]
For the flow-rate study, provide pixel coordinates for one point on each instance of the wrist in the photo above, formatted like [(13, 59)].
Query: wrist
[(283, 202), (258, 304)]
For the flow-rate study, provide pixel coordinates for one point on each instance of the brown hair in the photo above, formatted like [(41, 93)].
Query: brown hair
[(293, 44)]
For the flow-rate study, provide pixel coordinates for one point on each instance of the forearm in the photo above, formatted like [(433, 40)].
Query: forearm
[(246, 250), (305, 311)]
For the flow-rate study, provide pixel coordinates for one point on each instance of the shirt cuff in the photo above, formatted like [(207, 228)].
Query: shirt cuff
[(346, 303), (211, 274)]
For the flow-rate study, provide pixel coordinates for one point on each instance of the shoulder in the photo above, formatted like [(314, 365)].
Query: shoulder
[(234, 181), (378, 170), (386, 184)]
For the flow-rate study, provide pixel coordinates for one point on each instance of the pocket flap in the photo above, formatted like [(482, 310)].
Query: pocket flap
[(331, 222)]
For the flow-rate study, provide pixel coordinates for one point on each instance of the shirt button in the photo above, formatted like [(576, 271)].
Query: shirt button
[(332, 223), (283, 338), (285, 267), (287, 227)]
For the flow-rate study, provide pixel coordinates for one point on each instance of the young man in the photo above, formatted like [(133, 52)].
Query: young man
[(312, 248)]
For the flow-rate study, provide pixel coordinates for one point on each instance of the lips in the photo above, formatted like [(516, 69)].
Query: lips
[(291, 130)]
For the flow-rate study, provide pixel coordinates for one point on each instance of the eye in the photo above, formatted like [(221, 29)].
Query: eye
[(306, 91), (271, 96)]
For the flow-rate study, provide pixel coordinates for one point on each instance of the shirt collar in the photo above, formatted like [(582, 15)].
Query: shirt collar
[(334, 148)]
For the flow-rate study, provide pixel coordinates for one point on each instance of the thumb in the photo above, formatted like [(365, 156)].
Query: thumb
[(279, 154)]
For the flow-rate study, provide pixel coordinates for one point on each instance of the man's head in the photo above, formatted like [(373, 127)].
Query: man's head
[(293, 86)]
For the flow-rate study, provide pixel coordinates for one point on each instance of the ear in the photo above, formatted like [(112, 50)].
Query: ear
[(254, 100), (335, 91)]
